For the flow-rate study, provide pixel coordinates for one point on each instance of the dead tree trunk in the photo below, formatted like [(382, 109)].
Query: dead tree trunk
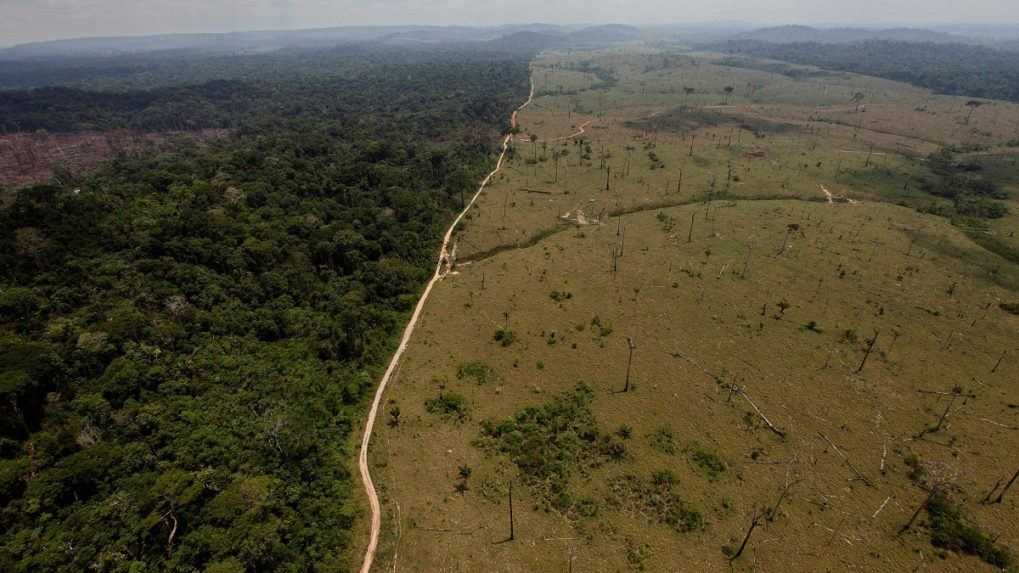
[(870, 348), (512, 533), (998, 363), (1001, 496), (689, 236), (629, 363), (919, 510), (746, 539)]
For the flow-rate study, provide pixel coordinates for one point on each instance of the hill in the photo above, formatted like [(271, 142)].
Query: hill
[(797, 34)]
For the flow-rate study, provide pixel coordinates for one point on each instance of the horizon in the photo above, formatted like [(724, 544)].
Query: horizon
[(958, 27)]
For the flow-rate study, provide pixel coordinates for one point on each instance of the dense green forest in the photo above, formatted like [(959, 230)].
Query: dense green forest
[(186, 338), (954, 69)]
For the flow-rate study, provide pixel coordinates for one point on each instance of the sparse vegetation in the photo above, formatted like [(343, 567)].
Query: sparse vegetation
[(449, 406), (656, 499), (551, 443), (477, 372)]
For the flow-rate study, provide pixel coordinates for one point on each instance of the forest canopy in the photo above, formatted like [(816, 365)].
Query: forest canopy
[(953, 69), (186, 337)]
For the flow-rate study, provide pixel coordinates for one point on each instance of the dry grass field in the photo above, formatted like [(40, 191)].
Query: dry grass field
[(681, 315)]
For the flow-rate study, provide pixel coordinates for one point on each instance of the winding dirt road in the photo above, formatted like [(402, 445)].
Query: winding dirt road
[(441, 270)]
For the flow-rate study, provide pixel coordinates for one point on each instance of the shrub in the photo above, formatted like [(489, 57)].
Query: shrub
[(950, 531), (504, 336), (560, 296), (1010, 307), (477, 371), (656, 499), (552, 442), (601, 328), (663, 441), (449, 405), (707, 462)]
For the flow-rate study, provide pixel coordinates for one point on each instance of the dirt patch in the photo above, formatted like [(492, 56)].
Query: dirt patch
[(29, 158)]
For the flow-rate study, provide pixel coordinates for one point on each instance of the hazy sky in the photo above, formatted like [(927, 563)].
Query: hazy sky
[(29, 20)]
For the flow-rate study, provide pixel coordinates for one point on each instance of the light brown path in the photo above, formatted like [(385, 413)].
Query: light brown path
[(441, 270)]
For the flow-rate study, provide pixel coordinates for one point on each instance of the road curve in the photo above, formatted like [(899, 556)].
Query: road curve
[(441, 269)]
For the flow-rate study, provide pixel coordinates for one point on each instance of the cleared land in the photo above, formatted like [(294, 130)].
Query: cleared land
[(707, 244)]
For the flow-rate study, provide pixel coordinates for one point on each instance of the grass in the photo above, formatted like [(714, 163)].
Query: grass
[(690, 295)]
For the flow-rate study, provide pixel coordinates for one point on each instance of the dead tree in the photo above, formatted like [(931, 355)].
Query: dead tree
[(608, 177), (1004, 490), (771, 513), (955, 393), (927, 500), (689, 236), (998, 363), (512, 533), (870, 348), (629, 363), (746, 539)]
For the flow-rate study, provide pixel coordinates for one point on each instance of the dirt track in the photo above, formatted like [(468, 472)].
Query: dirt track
[(441, 270)]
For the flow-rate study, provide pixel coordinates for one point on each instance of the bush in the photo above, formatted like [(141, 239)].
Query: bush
[(449, 405), (1010, 307), (504, 336), (656, 499), (663, 441), (707, 462), (477, 371), (552, 442), (949, 531)]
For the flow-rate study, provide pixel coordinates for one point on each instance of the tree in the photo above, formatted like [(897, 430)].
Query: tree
[(857, 100), (728, 93), (973, 105)]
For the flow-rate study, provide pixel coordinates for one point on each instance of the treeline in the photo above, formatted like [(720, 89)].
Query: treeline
[(263, 104), (186, 339), (954, 69)]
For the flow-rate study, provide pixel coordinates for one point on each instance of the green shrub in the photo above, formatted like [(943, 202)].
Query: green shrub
[(450, 406), (477, 371), (1010, 307), (663, 441), (656, 499), (707, 462), (504, 336), (552, 442), (560, 296), (950, 531)]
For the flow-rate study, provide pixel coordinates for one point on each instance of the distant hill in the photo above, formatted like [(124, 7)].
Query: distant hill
[(527, 41), (235, 42), (808, 34), (512, 37), (608, 34)]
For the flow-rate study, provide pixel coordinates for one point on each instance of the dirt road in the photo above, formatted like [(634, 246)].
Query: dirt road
[(441, 270)]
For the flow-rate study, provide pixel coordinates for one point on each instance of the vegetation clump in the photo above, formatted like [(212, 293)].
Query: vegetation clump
[(949, 530), (449, 406), (655, 498), (707, 462), (560, 296), (551, 443), (504, 336), (476, 371)]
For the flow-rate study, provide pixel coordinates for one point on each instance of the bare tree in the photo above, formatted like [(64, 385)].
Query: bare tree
[(629, 363)]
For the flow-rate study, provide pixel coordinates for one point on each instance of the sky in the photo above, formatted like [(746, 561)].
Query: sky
[(34, 20)]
